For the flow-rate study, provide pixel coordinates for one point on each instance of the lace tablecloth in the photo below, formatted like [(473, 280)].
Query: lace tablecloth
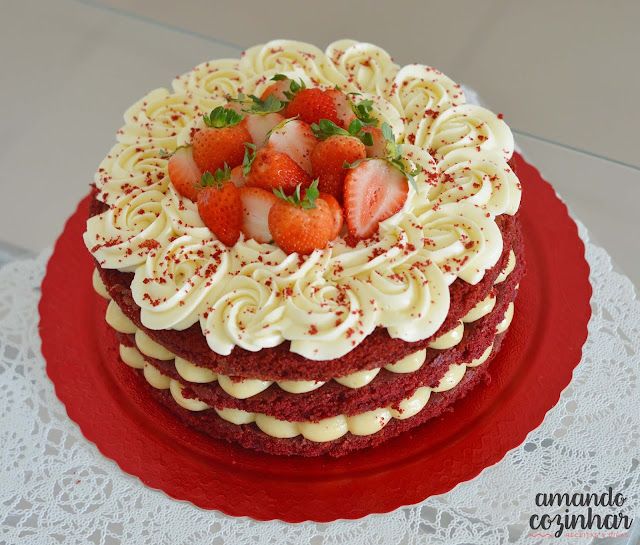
[(55, 487)]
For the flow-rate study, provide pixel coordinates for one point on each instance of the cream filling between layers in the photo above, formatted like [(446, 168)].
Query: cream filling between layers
[(328, 429)]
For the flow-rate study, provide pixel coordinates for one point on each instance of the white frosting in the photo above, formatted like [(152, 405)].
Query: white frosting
[(448, 339), (194, 373), (98, 285), (186, 403), (253, 295), (469, 126), (480, 178), (155, 377), (481, 309), (150, 348), (131, 356), (409, 363), (506, 321), (118, 320), (511, 264), (362, 67)]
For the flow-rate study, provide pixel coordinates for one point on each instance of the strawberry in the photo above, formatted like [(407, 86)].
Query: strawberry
[(301, 224), (222, 141), (272, 169), (259, 126), (336, 210), (184, 173), (374, 190), (296, 139), (256, 204), (312, 105), (282, 88), (328, 159), (379, 147), (220, 206), (344, 112), (237, 176)]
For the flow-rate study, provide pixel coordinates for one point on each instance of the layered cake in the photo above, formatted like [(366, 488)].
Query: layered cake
[(307, 252)]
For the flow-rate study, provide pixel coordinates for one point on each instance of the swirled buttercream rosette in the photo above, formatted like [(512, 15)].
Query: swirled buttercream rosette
[(177, 281), (121, 237), (358, 66), (325, 321), (478, 178), (279, 56), (248, 314), (422, 93), (160, 115), (212, 82), (469, 126), (131, 168), (462, 239)]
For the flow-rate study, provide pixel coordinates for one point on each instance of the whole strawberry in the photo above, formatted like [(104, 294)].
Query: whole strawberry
[(220, 206), (328, 161), (222, 141), (312, 105), (301, 224)]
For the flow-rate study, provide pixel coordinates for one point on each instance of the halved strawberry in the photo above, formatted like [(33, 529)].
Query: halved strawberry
[(259, 126), (336, 210), (301, 224), (220, 206), (222, 141), (328, 159), (272, 169), (379, 147), (344, 112), (184, 173), (277, 89), (373, 191), (296, 139), (312, 105), (237, 176), (256, 204)]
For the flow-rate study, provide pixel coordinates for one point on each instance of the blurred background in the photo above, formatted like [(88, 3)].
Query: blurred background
[(564, 74)]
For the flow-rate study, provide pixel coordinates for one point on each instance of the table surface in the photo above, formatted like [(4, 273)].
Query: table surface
[(72, 71)]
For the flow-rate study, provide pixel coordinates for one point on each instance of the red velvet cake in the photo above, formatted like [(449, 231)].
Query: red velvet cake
[(308, 252)]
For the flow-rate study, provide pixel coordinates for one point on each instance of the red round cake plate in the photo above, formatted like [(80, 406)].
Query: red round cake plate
[(109, 403)]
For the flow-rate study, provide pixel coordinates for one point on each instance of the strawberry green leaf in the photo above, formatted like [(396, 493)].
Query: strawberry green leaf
[(307, 202), (394, 155), (326, 128), (249, 156), (279, 77), (348, 165), (216, 179), (363, 110), (294, 88), (222, 117)]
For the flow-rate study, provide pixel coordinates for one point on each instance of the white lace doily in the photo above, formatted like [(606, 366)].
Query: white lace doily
[(55, 487)]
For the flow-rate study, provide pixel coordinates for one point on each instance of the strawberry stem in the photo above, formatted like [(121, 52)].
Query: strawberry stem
[(222, 117), (217, 179), (307, 202)]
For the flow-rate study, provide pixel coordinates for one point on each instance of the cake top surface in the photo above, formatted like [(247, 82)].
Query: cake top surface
[(452, 157)]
